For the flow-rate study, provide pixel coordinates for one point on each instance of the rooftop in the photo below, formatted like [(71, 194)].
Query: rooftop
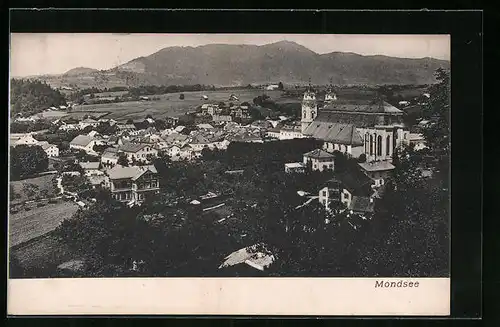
[(132, 172), (319, 154), (82, 140), (362, 204), (376, 166), (89, 165), (132, 147), (256, 256), (339, 133)]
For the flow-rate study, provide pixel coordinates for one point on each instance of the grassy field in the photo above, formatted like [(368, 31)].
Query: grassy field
[(42, 251), (169, 105), (27, 225), (80, 114), (53, 114), (43, 182)]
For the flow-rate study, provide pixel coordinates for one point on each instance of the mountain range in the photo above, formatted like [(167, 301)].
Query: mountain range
[(285, 61)]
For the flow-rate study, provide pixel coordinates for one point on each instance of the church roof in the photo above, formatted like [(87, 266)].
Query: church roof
[(366, 106), (334, 132)]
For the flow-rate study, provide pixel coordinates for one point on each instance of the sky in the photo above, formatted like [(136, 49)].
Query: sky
[(56, 53)]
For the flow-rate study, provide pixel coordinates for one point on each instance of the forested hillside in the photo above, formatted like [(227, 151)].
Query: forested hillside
[(32, 96)]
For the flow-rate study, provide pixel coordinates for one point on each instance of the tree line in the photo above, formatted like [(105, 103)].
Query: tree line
[(32, 96)]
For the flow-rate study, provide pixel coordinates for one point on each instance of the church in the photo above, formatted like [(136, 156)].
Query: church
[(371, 127)]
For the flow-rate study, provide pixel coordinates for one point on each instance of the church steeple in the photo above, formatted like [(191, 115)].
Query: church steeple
[(309, 107), (330, 93)]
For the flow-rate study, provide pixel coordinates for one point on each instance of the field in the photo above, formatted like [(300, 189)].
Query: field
[(43, 183), (27, 225), (53, 114), (169, 105), (80, 114), (44, 250)]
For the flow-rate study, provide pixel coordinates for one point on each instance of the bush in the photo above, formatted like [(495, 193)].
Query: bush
[(181, 96), (362, 158)]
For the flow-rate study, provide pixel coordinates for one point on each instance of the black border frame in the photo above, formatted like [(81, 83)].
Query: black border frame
[(466, 29)]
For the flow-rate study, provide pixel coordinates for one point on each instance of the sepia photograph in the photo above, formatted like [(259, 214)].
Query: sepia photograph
[(229, 155)]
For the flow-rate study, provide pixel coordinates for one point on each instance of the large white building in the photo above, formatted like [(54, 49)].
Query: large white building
[(371, 127)]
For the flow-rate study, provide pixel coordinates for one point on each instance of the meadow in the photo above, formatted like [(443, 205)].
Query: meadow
[(44, 184), (169, 105), (27, 225)]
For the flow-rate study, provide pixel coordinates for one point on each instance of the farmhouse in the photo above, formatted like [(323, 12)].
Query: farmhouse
[(132, 184), (88, 122)]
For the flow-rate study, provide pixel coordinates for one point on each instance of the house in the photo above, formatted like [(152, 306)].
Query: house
[(138, 151), (88, 122), (125, 127), (257, 256), (91, 168), (97, 180), (204, 97), (210, 109), (295, 167), (319, 159), (51, 150), (272, 87), (132, 184), (186, 152), (109, 157), (85, 143), (93, 133), (241, 112), (330, 195), (179, 128), (233, 97), (404, 103), (176, 139), (222, 118), (362, 205), (417, 140), (22, 139), (274, 133), (288, 132), (69, 127), (204, 126), (352, 189), (174, 151), (378, 171)]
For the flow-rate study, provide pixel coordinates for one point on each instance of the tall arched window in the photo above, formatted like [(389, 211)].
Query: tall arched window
[(379, 145), (388, 145), (371, 144), (366, 143)]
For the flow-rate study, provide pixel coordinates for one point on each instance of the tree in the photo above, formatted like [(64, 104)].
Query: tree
[(181, 96), (437, 135), (27, 160), (122, 160), (130, 121), (280, 86)]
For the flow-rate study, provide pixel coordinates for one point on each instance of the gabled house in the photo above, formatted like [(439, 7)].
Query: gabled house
[(85, 143), (132, 184), (88, 122), (91, 168), (109, 158), (51, 150)]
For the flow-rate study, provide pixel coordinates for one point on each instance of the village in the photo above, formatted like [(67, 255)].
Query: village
[(120, 156)]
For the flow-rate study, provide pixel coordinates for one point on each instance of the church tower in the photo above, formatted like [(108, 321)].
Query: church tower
[(330, 95), (309, 108)]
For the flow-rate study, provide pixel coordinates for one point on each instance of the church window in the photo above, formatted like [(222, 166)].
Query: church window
[(379, 145), (388, 145), (366, 143), (371, 144)]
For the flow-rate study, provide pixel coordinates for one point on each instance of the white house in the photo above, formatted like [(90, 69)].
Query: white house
[(50, 149), (272, 87), (91, 168), (320, 160), (88, 122), (85, 143), (69, 127), (109, 157), (138, 151), (378, 171), (22, 139)]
